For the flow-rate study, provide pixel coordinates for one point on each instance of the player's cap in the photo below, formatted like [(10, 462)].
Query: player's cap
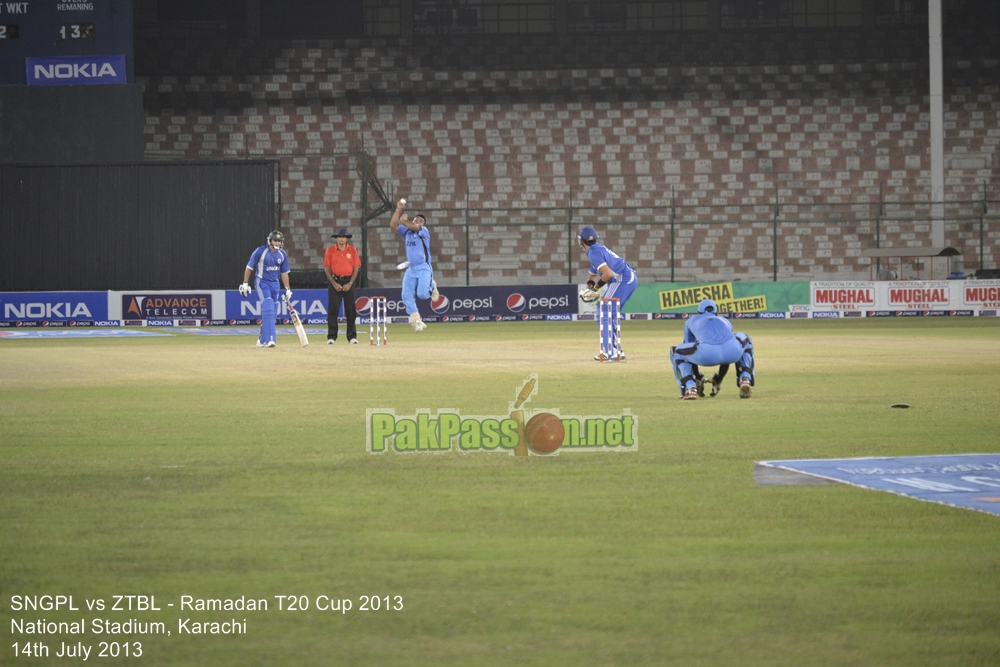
[(588, 234), (342, 232), (707, 306)]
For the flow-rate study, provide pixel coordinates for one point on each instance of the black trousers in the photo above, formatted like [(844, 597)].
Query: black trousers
[(350, 309)]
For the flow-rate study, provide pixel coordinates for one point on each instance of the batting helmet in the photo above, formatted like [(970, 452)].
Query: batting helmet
[(707, 306), (588, 234)]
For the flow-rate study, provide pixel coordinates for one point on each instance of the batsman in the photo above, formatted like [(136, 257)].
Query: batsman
[(709, 341), (269, 264), (606, 268)]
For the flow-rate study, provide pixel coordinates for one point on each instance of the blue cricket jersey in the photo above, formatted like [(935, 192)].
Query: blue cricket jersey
[(267, 266), (599, 255), (708, 329), (418, 245)]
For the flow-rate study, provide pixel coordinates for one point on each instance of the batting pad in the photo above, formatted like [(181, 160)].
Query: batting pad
[(267, 325)]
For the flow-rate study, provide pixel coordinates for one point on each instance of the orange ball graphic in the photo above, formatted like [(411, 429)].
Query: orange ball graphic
[(544, 433)]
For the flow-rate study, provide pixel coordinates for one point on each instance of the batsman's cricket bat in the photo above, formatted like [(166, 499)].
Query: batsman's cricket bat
[(299, 329)]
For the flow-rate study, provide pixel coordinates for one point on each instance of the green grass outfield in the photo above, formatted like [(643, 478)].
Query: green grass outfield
[(201, 466)]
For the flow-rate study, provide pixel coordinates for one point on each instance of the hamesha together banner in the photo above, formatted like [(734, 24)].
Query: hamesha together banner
[(731, 297)]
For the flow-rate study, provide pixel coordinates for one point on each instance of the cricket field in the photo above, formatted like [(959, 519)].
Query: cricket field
[(193, 500)]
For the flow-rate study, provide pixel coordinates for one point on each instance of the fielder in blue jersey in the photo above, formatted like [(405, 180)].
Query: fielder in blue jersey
[(709, 341), (418, 281), (269, 264), (606, 268)]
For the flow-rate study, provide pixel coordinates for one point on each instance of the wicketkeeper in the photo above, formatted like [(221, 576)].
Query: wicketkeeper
[(709, 341), (268, 263)]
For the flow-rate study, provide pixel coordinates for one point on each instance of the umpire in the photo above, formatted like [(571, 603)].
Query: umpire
[(341, 263)]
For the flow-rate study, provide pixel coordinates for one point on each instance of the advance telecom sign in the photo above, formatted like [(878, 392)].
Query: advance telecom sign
[(75, 70)]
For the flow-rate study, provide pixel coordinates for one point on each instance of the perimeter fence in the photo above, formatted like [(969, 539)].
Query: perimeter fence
[(674, 239), (488, 246)]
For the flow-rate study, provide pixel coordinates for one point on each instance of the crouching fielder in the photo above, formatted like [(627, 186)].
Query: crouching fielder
[(709, 341), (268, 263)]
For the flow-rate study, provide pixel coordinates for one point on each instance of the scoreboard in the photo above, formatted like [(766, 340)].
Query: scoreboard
[(66, 42)]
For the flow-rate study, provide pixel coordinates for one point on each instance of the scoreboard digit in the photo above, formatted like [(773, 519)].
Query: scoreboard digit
[(70, 29), (77, 31)]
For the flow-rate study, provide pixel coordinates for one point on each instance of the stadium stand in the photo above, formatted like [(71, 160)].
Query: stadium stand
[(634, 135)]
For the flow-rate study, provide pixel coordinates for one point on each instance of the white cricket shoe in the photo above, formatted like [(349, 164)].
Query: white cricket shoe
[(435, 295), (353, 341), (745, 390), (260, 344), (270, 343)]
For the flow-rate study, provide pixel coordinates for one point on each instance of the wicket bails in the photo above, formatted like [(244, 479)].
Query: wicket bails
[(608, 319), (378, 319)]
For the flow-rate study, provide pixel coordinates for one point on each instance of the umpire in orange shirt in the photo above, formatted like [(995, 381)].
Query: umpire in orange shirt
[(341, 263)]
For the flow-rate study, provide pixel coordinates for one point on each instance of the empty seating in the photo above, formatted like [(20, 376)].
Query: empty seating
[(719, 151)]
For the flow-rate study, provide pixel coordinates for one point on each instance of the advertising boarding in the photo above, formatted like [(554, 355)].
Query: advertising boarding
[(669, 300), (906, 297), (658, 301), (165, 307), (53, 309), (455, 304)]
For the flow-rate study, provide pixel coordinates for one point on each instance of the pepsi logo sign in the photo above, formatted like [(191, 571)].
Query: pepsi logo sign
[(516, 302), (441, 305)]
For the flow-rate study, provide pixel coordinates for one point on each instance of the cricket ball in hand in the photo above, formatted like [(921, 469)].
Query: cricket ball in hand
[(544, 433), (403, 202)]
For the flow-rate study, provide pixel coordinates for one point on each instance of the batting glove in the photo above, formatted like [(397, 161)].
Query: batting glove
[(287, 296), (245, 289), (590, 296)]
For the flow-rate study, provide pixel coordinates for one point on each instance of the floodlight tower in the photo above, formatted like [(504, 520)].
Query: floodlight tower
[(936, 122)]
